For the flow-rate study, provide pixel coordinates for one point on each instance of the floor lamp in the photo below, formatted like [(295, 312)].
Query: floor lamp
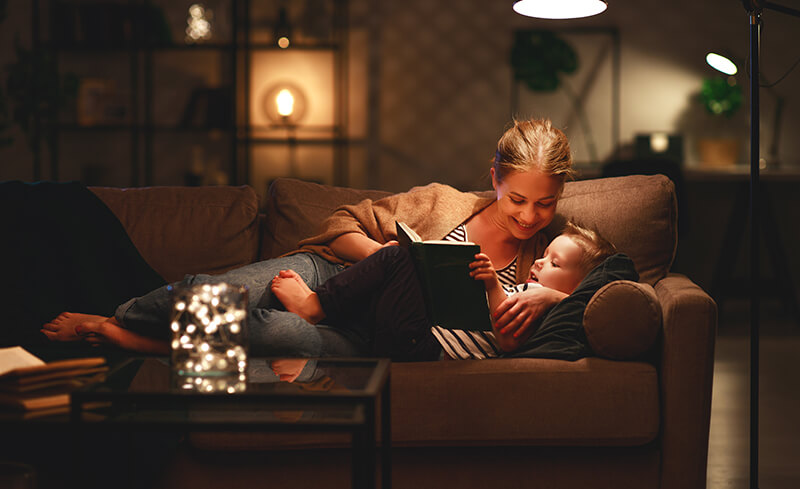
[(754, 9)]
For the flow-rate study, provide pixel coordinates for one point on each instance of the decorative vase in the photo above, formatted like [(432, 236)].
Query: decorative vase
[(718, 152)]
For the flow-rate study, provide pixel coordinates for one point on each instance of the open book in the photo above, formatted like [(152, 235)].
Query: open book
[(454, 299)]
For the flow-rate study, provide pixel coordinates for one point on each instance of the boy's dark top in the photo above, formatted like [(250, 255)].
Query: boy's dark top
[(561, 334)]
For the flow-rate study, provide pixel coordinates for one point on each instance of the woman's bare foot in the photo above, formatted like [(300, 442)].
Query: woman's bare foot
[(111, 332), (295, 295), (99, 330), (66, 326)]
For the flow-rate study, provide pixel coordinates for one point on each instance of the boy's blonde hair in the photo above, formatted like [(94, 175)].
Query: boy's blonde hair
[(595, 247)]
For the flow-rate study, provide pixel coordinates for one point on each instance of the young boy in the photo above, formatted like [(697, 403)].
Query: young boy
[(380, 297)]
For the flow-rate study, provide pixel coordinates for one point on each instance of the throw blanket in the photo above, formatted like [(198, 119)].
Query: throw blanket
[(432, 211), (63, 250)]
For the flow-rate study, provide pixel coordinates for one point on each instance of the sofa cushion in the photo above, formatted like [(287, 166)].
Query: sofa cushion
[(532, 401), (295, 209), (638, 213), (188, 230), (622, 320), (592, 401)]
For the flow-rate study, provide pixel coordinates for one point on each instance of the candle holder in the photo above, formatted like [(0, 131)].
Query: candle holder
[(209, 333)]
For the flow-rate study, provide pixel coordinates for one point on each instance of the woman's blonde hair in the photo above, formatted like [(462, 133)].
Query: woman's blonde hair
[(533, 145)]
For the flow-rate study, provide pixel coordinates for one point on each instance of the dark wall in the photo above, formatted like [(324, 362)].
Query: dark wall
[(712, 213)]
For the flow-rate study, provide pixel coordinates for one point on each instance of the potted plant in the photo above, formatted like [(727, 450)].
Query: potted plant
[(721, 97), (540, 59)]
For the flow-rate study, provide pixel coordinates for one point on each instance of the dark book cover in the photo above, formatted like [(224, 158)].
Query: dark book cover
[(454, 299)]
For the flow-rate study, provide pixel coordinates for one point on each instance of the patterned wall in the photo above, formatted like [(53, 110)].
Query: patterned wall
[(444, 91), (441, 80)]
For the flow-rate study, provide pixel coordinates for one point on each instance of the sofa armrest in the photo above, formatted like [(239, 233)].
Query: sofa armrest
[(686, 370)]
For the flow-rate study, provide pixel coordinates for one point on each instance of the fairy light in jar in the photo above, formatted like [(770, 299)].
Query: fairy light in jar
[(208, 331)]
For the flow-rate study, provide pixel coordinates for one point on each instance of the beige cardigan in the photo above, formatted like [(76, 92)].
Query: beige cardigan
[(432, 211)]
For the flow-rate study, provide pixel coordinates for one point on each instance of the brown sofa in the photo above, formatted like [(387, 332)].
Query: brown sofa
[(640, 422)]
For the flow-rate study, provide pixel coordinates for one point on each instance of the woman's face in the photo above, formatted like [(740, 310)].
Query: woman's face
[(526, 202)]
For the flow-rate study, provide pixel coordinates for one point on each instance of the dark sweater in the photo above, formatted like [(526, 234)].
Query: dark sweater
[(561, 334)]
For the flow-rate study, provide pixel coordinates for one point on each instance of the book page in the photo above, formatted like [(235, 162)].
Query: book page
[(406, 235), (17, 357)]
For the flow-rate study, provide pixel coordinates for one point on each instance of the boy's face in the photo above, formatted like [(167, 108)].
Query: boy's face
[(559, 268)]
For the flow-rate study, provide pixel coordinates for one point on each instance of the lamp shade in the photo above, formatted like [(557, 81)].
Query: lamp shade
[(721, 63), (560, 9)]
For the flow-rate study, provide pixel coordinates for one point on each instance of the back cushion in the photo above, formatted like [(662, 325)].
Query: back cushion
[(295, 209), (638, 213), (180, 230)]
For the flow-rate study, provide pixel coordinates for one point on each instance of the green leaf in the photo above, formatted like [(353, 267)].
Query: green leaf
[(721, 96), (539, 56)]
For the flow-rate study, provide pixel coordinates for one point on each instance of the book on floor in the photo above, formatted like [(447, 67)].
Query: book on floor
[(454, 300)]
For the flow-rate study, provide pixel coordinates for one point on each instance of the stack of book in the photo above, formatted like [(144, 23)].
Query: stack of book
[(36, 388)]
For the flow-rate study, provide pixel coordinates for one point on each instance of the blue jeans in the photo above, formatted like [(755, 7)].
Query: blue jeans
[(272, 331)]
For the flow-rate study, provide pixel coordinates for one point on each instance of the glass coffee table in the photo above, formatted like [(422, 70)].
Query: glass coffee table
[(310, 395)]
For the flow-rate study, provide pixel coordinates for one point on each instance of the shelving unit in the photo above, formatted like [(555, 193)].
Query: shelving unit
[(168, 106)]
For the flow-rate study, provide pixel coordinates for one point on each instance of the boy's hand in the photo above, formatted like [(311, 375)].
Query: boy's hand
[(482, 269)]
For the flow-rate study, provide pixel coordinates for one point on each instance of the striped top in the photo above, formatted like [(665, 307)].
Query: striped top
[(465, 345)]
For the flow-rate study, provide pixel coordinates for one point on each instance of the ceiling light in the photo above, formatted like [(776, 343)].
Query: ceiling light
[(560, 9)]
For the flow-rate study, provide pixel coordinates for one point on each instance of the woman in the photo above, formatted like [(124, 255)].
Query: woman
[(532, 162)]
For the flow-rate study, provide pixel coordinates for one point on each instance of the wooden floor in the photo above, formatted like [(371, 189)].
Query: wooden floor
[(779, 406)]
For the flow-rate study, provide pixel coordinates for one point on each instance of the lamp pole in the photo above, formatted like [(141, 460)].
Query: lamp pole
[(755, 20), (754, 9)]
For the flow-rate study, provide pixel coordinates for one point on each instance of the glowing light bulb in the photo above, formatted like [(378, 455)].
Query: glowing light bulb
[(721, 63), (659, 142), (283, 42), (285, 102)]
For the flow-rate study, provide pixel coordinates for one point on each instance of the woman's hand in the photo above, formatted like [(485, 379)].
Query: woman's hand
[(516, 315)]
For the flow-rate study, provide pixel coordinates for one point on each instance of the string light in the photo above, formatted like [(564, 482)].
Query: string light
[(198, 24), (215, 350), (229, 385)]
